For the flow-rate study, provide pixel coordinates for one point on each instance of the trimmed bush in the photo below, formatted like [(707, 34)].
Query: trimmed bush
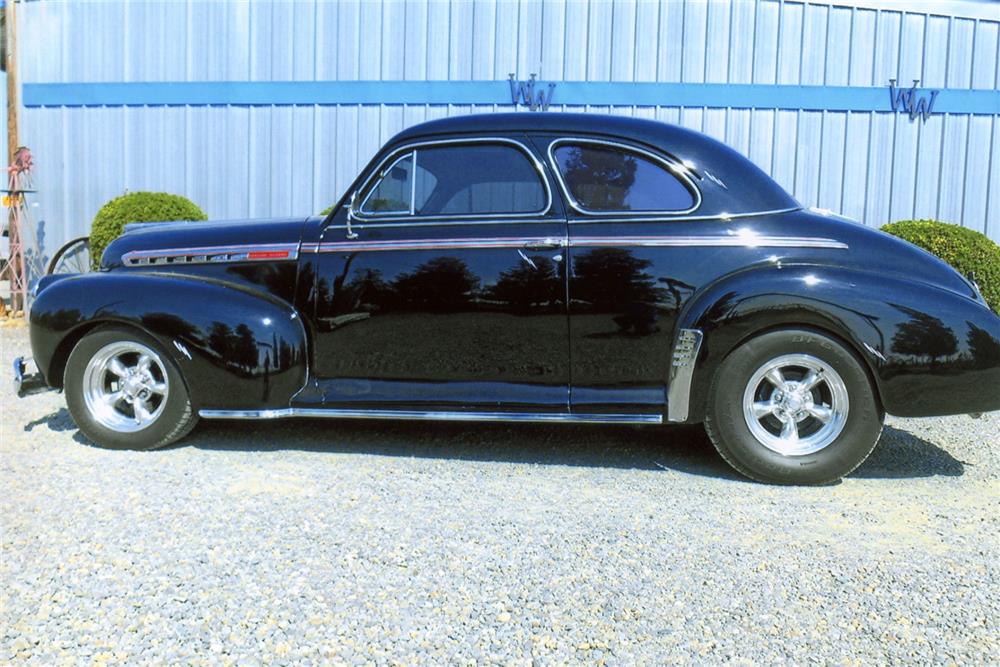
[(968, 251), (132, 207)]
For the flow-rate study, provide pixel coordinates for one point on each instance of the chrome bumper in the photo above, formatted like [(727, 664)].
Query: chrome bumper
[(26, 384)]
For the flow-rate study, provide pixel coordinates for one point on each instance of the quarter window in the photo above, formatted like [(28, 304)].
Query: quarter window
[(603, 178), (460, 179)]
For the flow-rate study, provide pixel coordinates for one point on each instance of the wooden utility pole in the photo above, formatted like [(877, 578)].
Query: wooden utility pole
[(13, 271), (12, 97)]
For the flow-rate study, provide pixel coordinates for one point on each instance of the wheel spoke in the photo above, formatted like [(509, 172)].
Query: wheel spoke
[(763, 409), (143, 364), (113, 398), (811, 380), (821, 412), (142, 413), (117, 367), (775, 377), (158, 388), (790, 430)]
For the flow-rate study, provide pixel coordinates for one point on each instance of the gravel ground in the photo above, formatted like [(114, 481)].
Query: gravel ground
[(355, 542)]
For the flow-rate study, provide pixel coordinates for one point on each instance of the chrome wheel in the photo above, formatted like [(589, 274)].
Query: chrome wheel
[(795, 404), (125, 386)]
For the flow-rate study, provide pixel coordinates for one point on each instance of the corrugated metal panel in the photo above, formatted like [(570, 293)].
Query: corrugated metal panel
[(260, 161)]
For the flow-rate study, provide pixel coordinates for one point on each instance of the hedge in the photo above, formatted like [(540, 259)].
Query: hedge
[(970, 252), (110, 221)]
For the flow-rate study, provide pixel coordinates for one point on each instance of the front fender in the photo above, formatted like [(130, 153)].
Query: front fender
[(929, 351), (235, 347)]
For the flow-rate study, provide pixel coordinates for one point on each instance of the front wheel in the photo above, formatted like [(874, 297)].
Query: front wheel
[(124, 392), (793, 407)]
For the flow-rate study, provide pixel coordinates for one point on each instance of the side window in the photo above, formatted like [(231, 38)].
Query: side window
[(609, 178), (459, 179), (394, 191)]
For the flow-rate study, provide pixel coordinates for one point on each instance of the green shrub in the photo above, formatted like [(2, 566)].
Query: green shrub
[(970, 252), (110, 221), (326, 211)]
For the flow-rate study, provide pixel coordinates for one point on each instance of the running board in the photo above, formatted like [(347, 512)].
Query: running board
[(434, 416)]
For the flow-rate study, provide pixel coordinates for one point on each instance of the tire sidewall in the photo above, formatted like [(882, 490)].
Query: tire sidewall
[(159, 433), (858, 437)]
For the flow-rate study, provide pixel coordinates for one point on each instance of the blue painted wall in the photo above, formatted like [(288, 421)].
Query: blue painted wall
[(806, 99)]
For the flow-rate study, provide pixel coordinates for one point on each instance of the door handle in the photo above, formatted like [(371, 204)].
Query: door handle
[(545, 244)]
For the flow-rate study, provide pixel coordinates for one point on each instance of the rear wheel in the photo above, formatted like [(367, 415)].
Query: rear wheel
[(793, 407), (124, 392)]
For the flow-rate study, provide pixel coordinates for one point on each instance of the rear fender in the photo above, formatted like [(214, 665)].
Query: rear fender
[(235, 347), (748, 303), (929, 350)]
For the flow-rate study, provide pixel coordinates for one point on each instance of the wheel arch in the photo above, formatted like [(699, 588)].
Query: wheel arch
[(755, 302), (234, 347)]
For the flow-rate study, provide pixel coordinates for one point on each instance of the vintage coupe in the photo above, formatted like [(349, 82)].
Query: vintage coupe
[(530, 267)]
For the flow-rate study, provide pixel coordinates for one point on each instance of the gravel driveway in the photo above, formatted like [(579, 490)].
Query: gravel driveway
[(324, 542)]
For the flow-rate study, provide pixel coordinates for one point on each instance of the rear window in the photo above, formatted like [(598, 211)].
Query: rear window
[(603, 178)]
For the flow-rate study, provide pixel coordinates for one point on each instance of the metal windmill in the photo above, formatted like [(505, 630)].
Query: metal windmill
[(19, 183)]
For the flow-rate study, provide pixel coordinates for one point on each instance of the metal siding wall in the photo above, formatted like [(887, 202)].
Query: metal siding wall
[(262, 161)]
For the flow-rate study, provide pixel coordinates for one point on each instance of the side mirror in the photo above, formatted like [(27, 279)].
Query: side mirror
[(351, 234)]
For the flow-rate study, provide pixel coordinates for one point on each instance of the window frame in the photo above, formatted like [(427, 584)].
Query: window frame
[(382, 174), (394, 156), (676, 169)]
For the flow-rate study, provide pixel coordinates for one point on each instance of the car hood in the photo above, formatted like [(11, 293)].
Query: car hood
[(205, 237)]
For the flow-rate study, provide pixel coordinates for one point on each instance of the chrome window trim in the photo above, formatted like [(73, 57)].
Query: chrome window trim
[(658, 218), (677, 169), (370, 183), (381, 177), (338, 413)]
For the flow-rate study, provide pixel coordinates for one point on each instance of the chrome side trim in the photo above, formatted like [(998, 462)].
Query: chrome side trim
[(337, 413), (688, 218), (269, 252), (682, 364), (734, 241), (379, 173), (676, 168), (431, 244)]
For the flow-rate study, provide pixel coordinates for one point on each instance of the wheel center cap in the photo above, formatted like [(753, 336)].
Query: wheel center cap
[(794, 402), (133, 385)]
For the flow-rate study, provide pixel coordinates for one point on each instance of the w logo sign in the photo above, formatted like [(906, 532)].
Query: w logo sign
[(523, 92), (907, 100)]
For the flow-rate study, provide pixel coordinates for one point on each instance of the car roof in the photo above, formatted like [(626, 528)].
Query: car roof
[(730, 183)]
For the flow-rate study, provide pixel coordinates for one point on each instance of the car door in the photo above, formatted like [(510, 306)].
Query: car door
[(627, 281), (448, 290)]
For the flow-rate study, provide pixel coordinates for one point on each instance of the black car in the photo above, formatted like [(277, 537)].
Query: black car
[(530, 267)]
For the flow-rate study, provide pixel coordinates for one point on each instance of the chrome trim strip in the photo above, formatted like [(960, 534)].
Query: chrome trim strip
[(688, 218), (636, 218), (683, 360), (735, 240), (432, 244), (337, 413), (378, 174), (676, 168), (210, 254)]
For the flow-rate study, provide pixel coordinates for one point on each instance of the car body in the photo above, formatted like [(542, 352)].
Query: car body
[(535, 267)]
